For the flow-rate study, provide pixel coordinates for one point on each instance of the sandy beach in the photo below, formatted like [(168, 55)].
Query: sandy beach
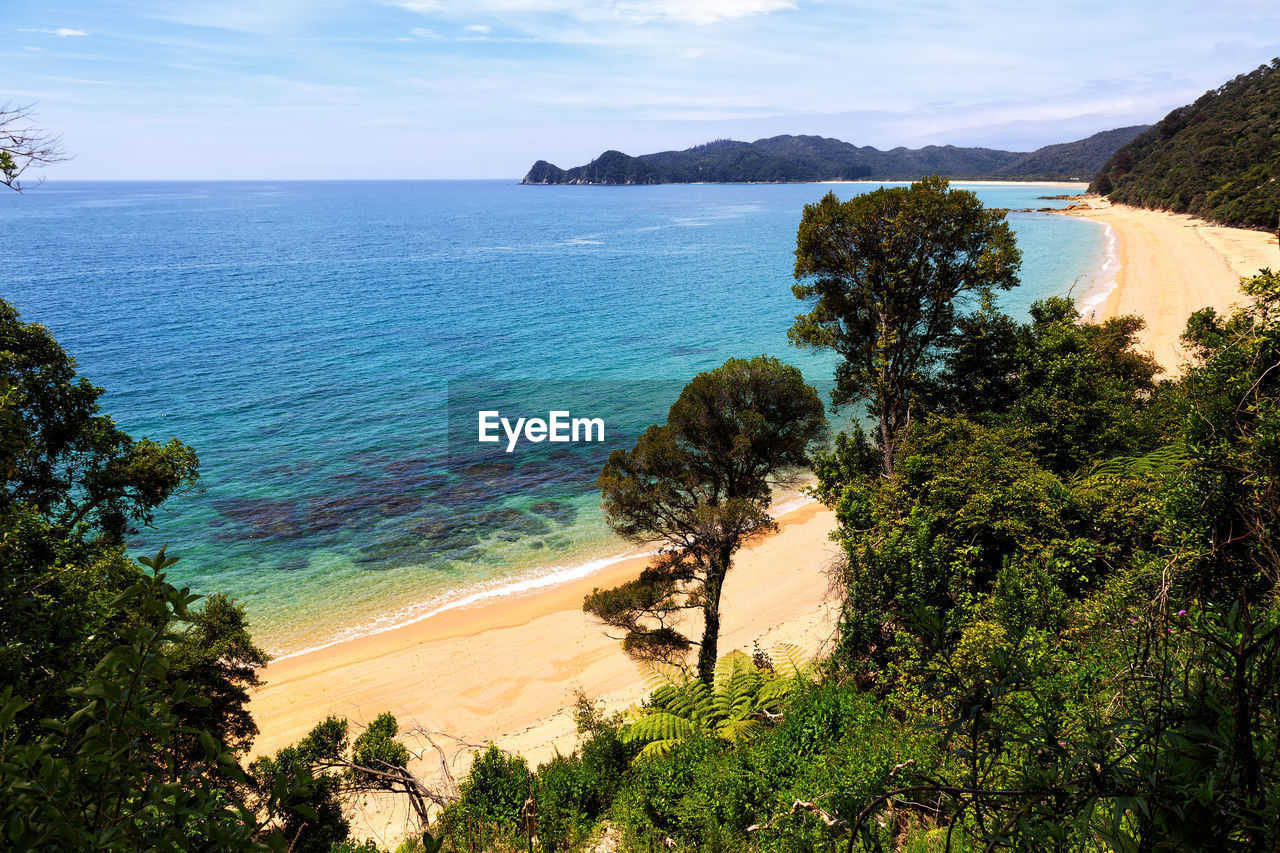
[(508, 670), (1171, 265)]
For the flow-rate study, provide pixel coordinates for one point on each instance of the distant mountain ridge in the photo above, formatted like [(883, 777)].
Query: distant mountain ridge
[(797, 159), (1218, 158)]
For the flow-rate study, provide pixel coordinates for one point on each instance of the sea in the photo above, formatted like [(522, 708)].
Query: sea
[(327, 348)]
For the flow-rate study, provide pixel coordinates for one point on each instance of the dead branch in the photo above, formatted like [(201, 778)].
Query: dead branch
[(24, 145)]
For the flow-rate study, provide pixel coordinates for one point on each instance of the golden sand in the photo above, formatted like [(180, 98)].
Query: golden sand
[(1172, 265)]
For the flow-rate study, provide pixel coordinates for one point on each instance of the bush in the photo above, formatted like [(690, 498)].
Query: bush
[(489, 809)]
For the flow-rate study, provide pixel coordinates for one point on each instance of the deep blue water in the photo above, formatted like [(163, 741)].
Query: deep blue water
[(310, 340)]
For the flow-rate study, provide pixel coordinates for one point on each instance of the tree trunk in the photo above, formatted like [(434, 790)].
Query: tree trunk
[(708, 652), (886, 441)]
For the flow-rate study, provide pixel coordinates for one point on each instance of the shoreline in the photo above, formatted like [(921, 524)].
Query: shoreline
[(1098, 294), (865, 181), (1168, 266), (966, 181), (507, 669), (523, 582)]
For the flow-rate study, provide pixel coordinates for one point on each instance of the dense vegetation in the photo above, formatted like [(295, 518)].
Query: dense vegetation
[(122, 707), (782, 159), (1059, 626), (1218, 158)]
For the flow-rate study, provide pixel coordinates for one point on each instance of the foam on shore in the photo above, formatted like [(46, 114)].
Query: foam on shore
[(538, 579), (1096, 296)]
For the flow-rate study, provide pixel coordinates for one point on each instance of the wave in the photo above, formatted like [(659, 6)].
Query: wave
[(533, 581), (1096, 296)]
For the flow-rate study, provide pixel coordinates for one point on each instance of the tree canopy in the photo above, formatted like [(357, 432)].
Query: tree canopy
[(890, 276), (700, 486), (64, 458)]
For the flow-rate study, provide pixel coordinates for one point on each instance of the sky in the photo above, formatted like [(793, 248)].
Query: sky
[(337, 89)]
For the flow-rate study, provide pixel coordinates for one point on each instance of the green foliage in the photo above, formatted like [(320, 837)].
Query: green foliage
[(1229, 506), (971, 522), (700, 485), (1162, 736), (115, 774), (216, 658), (1082, 390), (70, 463), (366, 846), (1218, 158), (376, 748), (734, 706), (311, 817), (1040, 471), (833, 746), (889, 275), (74, 487), (489, 810)]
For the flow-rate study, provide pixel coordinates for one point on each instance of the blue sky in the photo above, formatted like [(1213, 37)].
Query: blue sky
[(481, 88)]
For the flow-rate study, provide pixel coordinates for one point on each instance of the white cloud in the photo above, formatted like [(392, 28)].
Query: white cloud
[(479, 28), (699, 12), (60, 31)]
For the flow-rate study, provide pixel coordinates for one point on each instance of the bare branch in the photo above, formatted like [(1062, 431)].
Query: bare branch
[(24, 145)]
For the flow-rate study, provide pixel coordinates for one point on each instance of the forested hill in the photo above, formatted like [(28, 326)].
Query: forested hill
[(816, 158), (1218, 158)]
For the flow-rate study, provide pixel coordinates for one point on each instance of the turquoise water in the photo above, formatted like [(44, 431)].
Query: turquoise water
[(311, 341)]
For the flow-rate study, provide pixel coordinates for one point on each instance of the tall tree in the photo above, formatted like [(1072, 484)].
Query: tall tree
[(890, 274), (67, 460), (216, 657), (700, 486), (75, 486)]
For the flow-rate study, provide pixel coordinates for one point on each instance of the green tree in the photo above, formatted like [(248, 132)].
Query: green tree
[(66, 459), (216, 657), (1082, 390), (311, 817), (890, 275), (117, 772), (75, 486), (700, 486), (1230, 505)]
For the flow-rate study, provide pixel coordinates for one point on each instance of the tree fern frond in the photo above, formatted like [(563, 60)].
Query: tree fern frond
[(659, 674), (1166, 461), (728, 668), (790, 661), (775, 691), (737, 730), (656, 748), (659, 727)]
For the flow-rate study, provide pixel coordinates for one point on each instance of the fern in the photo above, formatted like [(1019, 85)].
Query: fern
[(1164, 462), (739, 701)]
